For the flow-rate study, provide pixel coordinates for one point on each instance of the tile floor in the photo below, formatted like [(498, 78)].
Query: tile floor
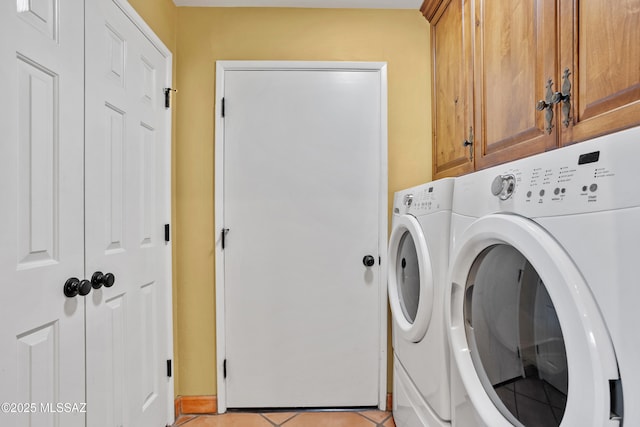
[(533, 401), (365, 418)]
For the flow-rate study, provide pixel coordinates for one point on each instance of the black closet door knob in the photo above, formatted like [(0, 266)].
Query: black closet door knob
[(109, 280), (74, 286), (71, 287), (84, 287), (98, 280), (368, 261)]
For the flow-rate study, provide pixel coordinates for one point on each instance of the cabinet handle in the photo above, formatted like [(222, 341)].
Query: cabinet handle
[(565, 98), (553, 98), (469, 143), (547, 104)]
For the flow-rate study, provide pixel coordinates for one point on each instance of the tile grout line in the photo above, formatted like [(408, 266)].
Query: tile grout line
[(296, 414), (381, 424), (555, 418), (377, 424), (271, 422)]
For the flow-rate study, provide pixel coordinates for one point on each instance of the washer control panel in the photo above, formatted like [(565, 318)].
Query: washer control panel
[(595, 175)]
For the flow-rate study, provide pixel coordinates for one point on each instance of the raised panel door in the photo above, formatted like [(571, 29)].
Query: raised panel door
[(452, 90), (127, 325), (41, 217), (514, 59), (599, 47)]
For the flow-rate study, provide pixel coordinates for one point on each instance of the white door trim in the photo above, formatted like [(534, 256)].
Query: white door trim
[(165, 139), (221, 68)]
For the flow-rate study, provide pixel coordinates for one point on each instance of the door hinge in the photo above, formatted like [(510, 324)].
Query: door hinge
[(223, 235), (167, 233), (167, 96), (224, 368), (169, 368), (222, 107)]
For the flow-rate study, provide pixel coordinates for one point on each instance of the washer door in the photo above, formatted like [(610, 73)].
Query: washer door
[(410, 278), (526, 334)]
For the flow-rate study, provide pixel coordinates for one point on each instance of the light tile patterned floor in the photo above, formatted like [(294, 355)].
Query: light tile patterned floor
[(368, 418)]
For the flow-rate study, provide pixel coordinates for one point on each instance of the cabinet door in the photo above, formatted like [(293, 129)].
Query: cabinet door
[(515, 57), (452, 97), (599, 45), (42, 214)]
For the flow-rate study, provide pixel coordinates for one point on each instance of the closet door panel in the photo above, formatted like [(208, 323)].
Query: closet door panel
[(41, 217), (128, 323)]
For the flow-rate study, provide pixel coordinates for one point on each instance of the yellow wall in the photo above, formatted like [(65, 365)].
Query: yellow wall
[(161, 16), (198, 37), (204, 35)]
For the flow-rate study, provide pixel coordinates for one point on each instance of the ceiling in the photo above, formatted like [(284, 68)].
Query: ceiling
[(333, 4)]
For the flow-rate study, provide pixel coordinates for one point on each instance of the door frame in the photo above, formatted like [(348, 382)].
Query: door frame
[(166, 147), (221, 68)]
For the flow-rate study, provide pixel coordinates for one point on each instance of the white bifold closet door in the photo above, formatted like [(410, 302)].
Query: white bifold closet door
[(84, 184), (42, 210), (127, 204)]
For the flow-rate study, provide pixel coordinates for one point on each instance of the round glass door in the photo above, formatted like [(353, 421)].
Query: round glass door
[(410, 278), (516, 342), (527, 337)]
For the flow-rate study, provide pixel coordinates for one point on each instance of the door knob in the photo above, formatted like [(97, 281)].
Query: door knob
[(368, 261), (98, 280), (75, 286)]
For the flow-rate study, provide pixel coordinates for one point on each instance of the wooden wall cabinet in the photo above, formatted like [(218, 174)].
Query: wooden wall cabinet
[(501, 70), (452, 91), (600, 45)]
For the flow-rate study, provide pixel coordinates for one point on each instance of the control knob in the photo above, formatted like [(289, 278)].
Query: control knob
[(503, 186)]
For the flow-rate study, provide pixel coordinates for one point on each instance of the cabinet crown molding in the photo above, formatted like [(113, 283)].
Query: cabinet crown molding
[(429, 8)]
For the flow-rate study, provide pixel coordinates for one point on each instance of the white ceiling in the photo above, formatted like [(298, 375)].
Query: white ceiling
[(333, 4)]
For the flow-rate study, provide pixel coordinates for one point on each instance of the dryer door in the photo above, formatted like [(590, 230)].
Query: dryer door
[(410, 278), (527, 336)]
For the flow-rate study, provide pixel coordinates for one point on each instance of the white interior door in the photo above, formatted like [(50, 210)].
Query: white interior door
[(303, 181), (41, 217), (127, 204)]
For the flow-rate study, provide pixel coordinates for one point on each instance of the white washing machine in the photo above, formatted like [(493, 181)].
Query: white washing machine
[(418, 264), (543, 290)]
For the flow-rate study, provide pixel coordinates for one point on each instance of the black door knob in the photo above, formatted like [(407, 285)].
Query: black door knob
[(74, 286), (368, 261), (98, 280)]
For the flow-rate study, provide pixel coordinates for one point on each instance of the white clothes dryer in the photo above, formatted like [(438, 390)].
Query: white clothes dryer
[(543, 291), (418, 264)]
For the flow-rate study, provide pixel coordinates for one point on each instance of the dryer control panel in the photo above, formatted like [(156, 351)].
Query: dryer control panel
[(429, 198), (596, 175)]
